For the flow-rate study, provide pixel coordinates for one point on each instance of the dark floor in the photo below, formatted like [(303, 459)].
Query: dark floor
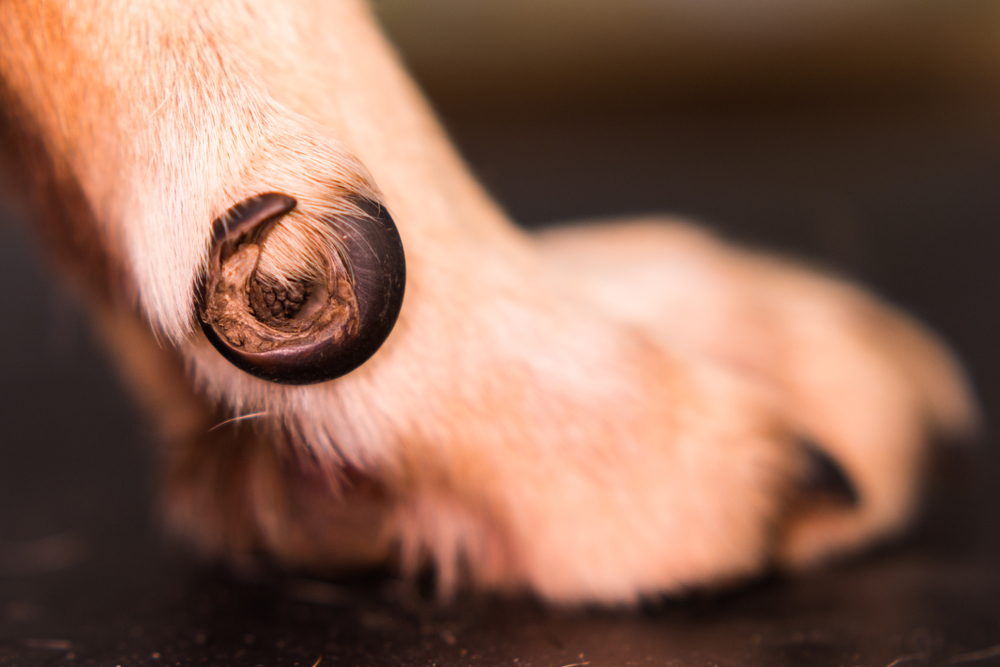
[(903, 195)]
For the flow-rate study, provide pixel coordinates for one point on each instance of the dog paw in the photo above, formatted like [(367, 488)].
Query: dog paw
[(866, 385), (595, 414)]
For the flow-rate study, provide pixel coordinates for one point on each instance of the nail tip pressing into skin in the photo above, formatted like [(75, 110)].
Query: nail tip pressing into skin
[(357, 308), (250, 213)]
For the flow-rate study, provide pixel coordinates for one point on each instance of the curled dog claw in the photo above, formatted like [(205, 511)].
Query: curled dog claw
[(301, 331)]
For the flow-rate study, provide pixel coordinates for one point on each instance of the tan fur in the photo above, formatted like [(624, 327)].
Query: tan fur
[(590, 414)]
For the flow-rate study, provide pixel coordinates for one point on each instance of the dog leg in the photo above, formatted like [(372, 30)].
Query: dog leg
[(589, 415)]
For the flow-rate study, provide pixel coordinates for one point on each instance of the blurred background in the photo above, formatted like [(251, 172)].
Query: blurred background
[(861, 135), (613, 53)]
